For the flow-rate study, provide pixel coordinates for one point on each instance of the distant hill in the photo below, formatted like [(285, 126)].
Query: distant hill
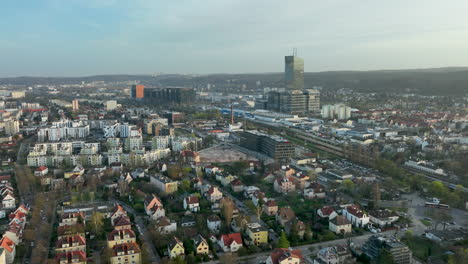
[(434, 81)]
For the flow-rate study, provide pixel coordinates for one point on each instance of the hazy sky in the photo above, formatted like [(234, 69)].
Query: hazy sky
[(87, 37)]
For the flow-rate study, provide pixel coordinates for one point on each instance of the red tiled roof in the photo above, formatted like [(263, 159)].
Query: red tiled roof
[(280, 254), (327, 210), (41, 168), (229, 238), (7, 244), (355, 210), (125, 247), (192, 199)]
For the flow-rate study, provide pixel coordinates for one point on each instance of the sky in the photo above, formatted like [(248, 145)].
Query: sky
[(90, 37)]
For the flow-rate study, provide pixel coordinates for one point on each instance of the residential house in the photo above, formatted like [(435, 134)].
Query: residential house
[(154, 207), (214, 194), (77, 170), (126, 253), (192, 203), (8, 200), (165, 226), (175, 248), (257, 234), (327, 212), (258, 198), (315, 190), (250, 190), (117, 212), (71, 243), (270, 207), (230, 242), (334, 255), (284, 185), (285, 215), (201, 245), (383, 218), (356, 216), (41, 171), (301, 180), (120, 236), (225, 180), (72, 218), (340, 225), (285, 256), (237, 186), (72, 257), (286, 171), (122, 222), (214, 223), (9, 248)]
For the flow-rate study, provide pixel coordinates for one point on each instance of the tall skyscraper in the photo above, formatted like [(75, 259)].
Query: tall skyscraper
[(294, 72), (138, 91), (75, 105)]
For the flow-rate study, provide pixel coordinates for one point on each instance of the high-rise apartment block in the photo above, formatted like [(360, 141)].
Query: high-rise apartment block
[(11, 127), (75, 105), (338, 111), (294, 99), (138, 91), (294, 73)]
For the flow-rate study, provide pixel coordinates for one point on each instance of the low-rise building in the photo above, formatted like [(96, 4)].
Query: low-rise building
[(71, 243), (375, 244), (214, 223), (164, 184), (334, 255), (285, 256), (192, 203), (126, 253), (356, 216), (71, 257), (383, 217), (270, 208), (340, 225), (201, 245), (120, 237), (256, 233), (230, 242), (175, 248)]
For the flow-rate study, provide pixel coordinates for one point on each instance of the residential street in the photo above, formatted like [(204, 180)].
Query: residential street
[(145, 235)]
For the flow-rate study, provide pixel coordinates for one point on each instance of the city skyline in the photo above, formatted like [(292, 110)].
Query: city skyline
[(80, 38)]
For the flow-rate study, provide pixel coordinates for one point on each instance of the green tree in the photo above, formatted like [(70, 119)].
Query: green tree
[(283, 241), (348, 185), (385, 257), (97, 221)]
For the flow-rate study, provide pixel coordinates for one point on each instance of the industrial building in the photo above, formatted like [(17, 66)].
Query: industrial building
[(273, 146), (294, 102), (177, 95)]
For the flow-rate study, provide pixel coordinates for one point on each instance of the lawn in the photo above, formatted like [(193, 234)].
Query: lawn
[(422, 248), (426, 222)]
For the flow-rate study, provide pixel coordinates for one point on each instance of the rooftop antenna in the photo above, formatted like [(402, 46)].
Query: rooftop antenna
[(294, 52)]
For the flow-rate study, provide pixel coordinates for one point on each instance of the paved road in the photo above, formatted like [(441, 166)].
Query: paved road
[(145, 235)]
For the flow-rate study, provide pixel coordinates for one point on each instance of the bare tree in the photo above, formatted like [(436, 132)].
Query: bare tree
[(228, 209), (376, 193)]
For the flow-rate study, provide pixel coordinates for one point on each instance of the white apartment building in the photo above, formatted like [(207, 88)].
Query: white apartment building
[(11, 127), (160, 142)]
